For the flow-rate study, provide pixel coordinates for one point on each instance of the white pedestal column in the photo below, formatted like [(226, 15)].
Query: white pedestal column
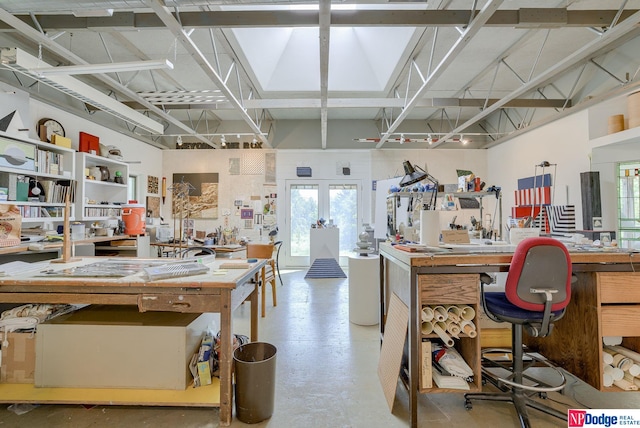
[(364, 289)]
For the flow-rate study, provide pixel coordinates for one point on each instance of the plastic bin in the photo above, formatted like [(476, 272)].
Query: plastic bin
[(255, 373)]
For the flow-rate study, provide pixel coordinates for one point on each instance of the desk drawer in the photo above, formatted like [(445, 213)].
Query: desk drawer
[(621, 320), (187, 303), (450, 288), (619, 287)]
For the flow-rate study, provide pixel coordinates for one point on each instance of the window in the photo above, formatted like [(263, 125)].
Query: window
[(629, 205), (132, 189)]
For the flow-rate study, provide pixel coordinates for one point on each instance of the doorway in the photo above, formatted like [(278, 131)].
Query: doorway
[(338, 202)]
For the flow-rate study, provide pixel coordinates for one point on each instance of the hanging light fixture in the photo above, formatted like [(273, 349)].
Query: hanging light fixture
[(112, 67), (179, 140), (223, 141)]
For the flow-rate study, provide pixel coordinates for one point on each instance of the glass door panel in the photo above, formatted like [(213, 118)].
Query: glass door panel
[(338, 202), (343, 212), (303, 213)]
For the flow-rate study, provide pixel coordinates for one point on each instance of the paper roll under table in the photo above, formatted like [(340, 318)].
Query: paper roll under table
[(453, 312), (614, 372), (469, 328), (607, 358), (427, 313), (439, 313), (468, 313), (446, 339), (364, 301), (427, 327), (430, 227)]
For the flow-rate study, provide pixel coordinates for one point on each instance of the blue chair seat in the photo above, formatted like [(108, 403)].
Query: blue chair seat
[(498, 305)]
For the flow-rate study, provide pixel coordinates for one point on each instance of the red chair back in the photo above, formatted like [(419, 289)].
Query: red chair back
[(539, 263)]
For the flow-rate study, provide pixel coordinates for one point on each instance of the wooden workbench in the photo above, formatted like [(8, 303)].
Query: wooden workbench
[(211, 292), (605, 301)]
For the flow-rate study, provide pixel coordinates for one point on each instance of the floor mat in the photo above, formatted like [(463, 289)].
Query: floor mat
[(325, 268)]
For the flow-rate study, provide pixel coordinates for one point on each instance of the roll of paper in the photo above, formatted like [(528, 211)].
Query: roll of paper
[(625, 385), (631, 379), (453, 328), (427, 327), (614, 372), (612, 340), (454, 313), (468, 313), (607, 358), (427, 313), (607, 380), (430, 227), (622, 362), (469, 328), (438, 329), (439, 313)]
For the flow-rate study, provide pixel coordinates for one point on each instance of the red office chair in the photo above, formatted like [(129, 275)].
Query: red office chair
[(537, 292)]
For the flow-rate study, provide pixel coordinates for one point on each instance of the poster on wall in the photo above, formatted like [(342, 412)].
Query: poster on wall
[(153, 206), (152, 184), (202, 201)]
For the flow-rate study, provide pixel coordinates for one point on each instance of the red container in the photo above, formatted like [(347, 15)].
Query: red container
[(133, 216)]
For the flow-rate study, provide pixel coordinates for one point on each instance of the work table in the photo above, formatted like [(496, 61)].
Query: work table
[(218, 291), (605, 301)]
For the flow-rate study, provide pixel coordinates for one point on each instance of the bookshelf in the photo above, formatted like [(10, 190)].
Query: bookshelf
[(26, 165), (99, 199)]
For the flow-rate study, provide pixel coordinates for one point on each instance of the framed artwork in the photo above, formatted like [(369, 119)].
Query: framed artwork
[(153, 206), (246, 214), (202, 201), (188, 227), (152, 184)]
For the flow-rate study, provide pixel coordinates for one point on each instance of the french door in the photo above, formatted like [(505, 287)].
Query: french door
[(338, 202)]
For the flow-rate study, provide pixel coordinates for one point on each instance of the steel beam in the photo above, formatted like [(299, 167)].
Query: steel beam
[(333, 103), (174, 26), (325, 32), (475, 26), (519, 18), (42, 39), (583, 54)]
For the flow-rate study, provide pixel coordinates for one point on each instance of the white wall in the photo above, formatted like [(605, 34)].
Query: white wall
[(149, 158), (564, 142), (248, 187)]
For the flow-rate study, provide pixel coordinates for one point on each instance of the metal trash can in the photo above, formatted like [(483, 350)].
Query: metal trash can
[(255, 374)]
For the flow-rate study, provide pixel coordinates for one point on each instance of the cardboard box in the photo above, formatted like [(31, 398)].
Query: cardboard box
[(18, 358), (118, 347)]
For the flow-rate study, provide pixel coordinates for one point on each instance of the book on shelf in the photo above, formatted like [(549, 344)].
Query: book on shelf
[(425, 369)]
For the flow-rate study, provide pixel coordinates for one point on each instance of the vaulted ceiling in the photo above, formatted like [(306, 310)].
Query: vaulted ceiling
[(448, 74)]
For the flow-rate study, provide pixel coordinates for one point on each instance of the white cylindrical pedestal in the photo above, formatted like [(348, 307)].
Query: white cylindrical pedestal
[(364, 289)]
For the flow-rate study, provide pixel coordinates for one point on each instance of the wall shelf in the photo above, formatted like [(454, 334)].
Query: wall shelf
[(91, 193)]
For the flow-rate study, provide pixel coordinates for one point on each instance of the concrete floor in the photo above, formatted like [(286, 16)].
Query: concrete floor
[(326, 377)]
